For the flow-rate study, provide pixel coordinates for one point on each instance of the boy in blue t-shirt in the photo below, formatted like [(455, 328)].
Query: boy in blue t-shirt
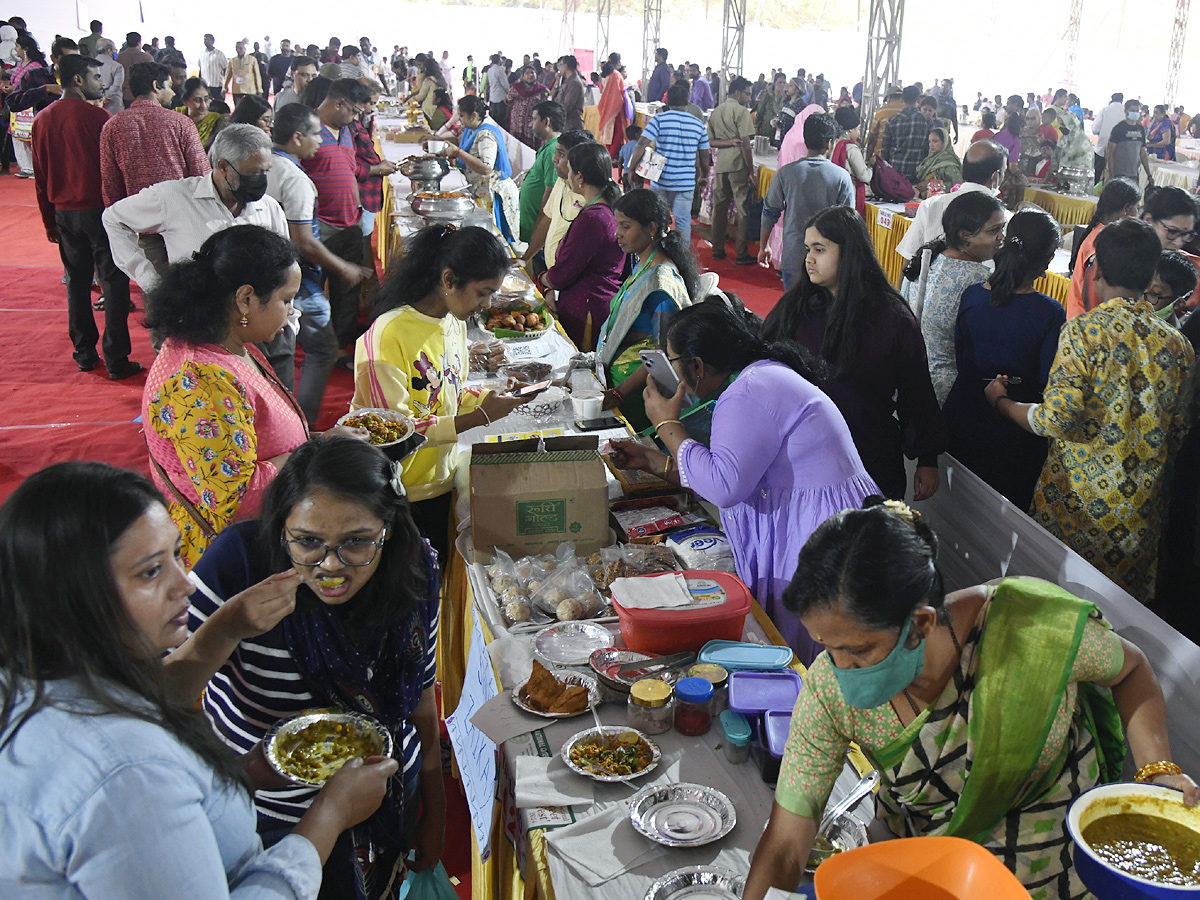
[(625, 154)]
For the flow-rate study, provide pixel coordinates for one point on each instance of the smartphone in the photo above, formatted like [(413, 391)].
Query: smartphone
[(601, 424), (530, 389), (660, 369)]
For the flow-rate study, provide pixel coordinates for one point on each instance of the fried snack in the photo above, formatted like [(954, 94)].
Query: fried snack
[(546, 693)]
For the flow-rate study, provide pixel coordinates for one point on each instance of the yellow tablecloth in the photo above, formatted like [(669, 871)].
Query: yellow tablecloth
[(591, 118), (1067, 210)]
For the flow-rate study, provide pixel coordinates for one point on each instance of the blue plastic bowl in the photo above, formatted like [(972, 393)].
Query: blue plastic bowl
[(1104, 880)]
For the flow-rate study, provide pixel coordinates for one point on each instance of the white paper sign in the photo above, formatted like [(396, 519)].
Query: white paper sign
[(473, 750), (884, 218)]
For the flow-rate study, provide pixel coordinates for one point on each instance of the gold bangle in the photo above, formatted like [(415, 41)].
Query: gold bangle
[(667, 422), (1150, 771)]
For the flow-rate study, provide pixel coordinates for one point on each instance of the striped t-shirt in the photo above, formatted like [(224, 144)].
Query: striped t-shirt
[(333, 171), (261, 682), (678, 136)]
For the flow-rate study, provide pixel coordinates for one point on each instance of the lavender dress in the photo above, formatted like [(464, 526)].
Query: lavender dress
[(781, 462)]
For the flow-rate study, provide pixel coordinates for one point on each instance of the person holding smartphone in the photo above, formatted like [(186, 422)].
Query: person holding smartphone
[(781, 458), (413, 359)]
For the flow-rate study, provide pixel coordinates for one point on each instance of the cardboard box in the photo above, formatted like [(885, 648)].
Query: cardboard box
[(525, 502)]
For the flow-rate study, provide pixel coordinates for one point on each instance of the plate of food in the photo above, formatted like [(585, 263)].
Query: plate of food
[(520, 322), (556, 695), (387, 427), (612, 754), (310, 747)]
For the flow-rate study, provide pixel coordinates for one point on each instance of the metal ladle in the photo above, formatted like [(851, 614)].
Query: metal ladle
[(865, 785)]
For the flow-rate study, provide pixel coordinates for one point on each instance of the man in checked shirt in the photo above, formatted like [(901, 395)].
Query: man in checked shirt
[(906, 136)]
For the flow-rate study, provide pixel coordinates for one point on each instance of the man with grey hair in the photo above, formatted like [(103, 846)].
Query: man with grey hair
[(187, 211), (112, 74)]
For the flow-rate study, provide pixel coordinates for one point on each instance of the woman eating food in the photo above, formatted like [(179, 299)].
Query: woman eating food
[(781, 457), (112, 782), (336, 530), (413, 359), (663, 282), (986, 711)]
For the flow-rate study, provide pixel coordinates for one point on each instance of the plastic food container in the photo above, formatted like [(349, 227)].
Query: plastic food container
[(718, 678), (754, 693), (693, 697), (736, 656), (718, 611), (737, 736), (651, 706), (777, 725)]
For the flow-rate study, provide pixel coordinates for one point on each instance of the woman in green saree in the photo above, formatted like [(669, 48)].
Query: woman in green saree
[(942, 164), (1073, 149), (663, 282), (985, 711)]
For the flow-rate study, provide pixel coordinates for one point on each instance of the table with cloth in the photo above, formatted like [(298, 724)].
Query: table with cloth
[(887, 224), (591, 117)]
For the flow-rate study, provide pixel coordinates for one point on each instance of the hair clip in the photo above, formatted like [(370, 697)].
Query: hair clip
[(397, 481), (903, 510)]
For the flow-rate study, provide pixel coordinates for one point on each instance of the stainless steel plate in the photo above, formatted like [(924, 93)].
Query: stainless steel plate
[(280, 739), (682, 815), (698, 883), (610, 731), (605, 662), (586, 681), (571, 643)]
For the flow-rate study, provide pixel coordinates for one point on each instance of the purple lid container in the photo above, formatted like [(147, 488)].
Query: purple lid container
[(778, 724), (752, 693)]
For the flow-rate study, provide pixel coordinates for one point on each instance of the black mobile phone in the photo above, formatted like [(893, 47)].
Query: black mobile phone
[(530, 389), (600, 424)]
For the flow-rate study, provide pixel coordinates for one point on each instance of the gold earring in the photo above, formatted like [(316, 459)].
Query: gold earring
[(244, 321)]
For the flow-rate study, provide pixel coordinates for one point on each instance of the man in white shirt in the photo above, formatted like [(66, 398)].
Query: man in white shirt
[(447, 68), (1102, 127), (187, 211), (983, 166), (213, 64)]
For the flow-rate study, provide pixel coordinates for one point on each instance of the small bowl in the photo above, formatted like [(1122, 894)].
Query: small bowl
[(588, 404), (277, 741), (1097, 874), (844, 833)]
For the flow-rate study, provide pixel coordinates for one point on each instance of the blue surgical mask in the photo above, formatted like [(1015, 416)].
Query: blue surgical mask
[(876, 685), (1132, 116)]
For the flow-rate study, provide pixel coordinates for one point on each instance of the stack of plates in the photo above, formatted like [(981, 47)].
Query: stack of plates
[(698, 883), (682, 815)]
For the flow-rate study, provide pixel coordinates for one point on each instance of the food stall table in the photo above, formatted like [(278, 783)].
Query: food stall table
[(1180, 174), (1068, 209)]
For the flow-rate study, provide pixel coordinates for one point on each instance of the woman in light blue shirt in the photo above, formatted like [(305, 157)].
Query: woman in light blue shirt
[(111, 782)]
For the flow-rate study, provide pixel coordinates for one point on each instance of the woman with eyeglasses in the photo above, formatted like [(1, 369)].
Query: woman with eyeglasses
[(1172, 213), (336, 530), (195, 106)]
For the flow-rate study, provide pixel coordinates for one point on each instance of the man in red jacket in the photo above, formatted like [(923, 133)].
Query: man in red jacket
[(66, 168)]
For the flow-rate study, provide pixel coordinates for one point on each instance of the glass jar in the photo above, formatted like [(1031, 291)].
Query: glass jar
[(719, 679), (693, 706), (651, 706)]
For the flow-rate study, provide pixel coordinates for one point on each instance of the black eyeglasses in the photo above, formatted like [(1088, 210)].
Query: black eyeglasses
[(1176, 234), (354, 552)]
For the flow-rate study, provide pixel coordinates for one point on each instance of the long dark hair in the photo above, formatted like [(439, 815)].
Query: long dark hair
[(190, 87), (1167, 202), (356, 471), (249, 110), (870, 562), (1030, 241), (1118, 193), (727, 339), (29, 44), (61, 613), (194, 299), (316, 91), (648, 208), (967, 213), (593, 164), (471, 254), (862, 287)]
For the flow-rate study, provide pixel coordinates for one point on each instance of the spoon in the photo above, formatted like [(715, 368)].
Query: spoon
[(865, 785)]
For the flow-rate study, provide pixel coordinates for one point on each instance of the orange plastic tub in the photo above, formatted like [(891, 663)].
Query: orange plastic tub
[(922, 868), (718, 612)]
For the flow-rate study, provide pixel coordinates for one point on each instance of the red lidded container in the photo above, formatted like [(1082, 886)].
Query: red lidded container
[(718, 612)]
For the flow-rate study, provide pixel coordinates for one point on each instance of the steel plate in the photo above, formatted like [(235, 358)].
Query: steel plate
[(682, 815), (698, 883)]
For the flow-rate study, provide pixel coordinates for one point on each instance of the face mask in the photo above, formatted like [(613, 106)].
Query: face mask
[(876, 685), (250, 187), (1131, 116)]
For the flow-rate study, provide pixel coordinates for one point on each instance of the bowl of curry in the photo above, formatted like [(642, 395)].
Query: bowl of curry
[(310, 747), (1135, 841)]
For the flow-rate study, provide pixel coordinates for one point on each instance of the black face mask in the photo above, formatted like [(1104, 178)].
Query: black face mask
[(250, 187)]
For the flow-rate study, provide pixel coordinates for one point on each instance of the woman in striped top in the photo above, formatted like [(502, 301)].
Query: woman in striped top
[(362, 638)]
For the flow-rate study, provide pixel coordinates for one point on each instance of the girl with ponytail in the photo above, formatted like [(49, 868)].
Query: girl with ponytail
[(1004, 325), (781, 459), (663, 281), (1119, 198), (588, 264), (413, 359)]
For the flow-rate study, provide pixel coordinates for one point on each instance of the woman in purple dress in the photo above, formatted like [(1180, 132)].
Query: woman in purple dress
[(781, 459), (588, 264)]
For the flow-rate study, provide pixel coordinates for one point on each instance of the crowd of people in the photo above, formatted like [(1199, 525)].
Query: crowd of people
[(154, 629)]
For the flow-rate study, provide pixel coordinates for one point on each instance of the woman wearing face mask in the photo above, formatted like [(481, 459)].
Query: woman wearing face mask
[(219, 423), (589, 261), (781, 458), (104, 756), (943, 269), (337, 534), (413, 359), (843, 308), (981, 707)]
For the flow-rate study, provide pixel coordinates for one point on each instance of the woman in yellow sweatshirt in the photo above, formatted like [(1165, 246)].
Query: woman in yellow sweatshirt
[(413, 359)]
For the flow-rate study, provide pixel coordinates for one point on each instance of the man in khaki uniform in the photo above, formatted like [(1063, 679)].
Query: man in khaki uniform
[(730, 131), (242, 76)]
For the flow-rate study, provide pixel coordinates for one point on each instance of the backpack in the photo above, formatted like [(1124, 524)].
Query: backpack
[(890, 185)]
